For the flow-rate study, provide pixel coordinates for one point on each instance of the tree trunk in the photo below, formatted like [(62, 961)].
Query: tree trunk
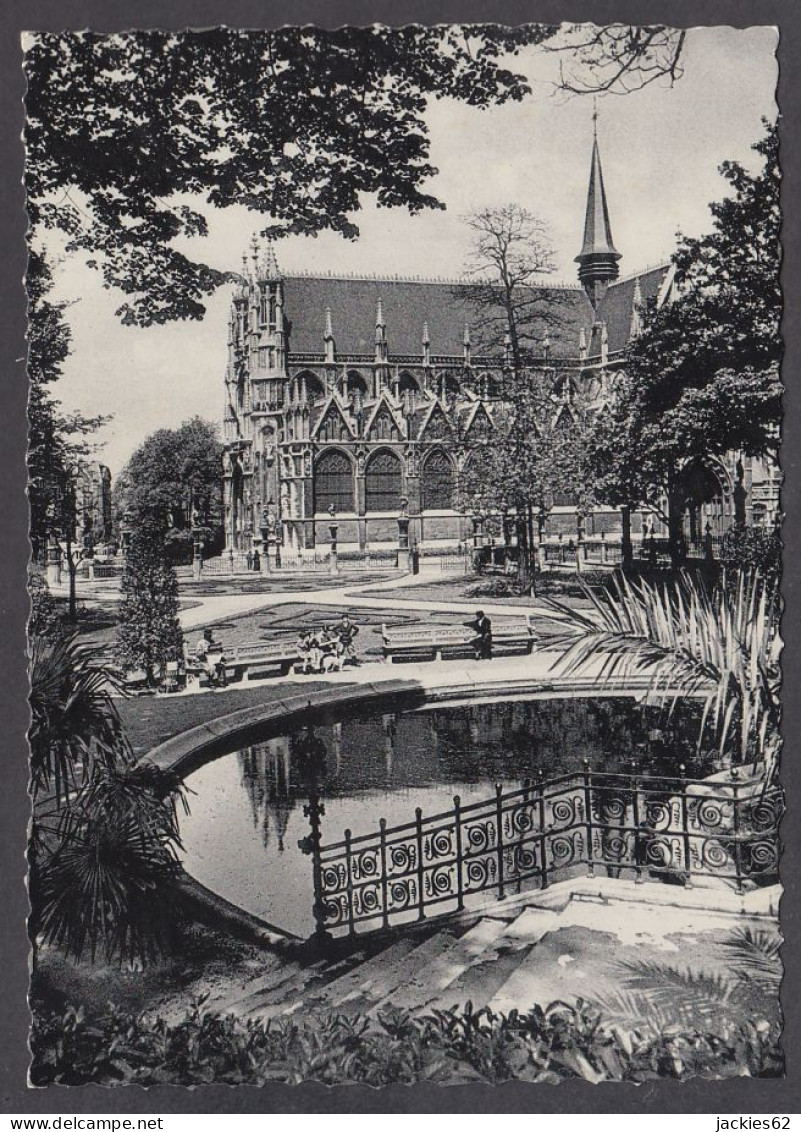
[(626, 548), (675, 535), (524, 553), (532, 569)]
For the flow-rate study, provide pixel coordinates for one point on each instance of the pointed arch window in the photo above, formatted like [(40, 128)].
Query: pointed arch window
[(333, 482), (383, 482), (438, 482)]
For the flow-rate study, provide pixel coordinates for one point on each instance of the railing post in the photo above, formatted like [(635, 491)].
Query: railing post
[(521, 840), (588, 815), (499, 836), (685, 828), (418, 820), (541, 819), (457, 818), (349, 885), (314, 810), (735, 794), (635, 821), (382, 826)]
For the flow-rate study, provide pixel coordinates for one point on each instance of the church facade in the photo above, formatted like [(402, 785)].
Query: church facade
[(364, 397)]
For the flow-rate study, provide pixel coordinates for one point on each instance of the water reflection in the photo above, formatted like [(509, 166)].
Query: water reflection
[(399, 754)]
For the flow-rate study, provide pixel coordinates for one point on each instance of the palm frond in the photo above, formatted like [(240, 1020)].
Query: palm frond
[(722, 646)]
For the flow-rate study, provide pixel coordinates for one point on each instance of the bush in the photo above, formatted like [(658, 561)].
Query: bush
[(46, 619), (149, 632), (752, 548), (446, 1047)]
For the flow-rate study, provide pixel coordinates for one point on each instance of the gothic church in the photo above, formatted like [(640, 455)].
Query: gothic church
[(365, 396)]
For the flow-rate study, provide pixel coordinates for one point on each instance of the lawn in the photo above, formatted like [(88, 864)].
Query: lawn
[(491, 591)]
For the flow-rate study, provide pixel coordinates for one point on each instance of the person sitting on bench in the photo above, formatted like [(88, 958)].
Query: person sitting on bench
[(209, 653), (346, 630), (482, 628), (305, 642)]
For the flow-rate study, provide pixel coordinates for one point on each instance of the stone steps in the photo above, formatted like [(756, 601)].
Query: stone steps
[(432, 978), (388, 981), (351, 982)]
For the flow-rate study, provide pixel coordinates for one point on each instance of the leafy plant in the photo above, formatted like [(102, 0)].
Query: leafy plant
[(659, 995), (107, 884), (544, 1045), (74, 721), (723, 646)]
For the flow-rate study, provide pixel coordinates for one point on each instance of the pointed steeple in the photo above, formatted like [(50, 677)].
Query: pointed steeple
[(329, 336), (267, 265), (380, 333), (598, 257)]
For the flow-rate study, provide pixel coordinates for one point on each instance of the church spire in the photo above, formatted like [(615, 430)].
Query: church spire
[(598, 257)]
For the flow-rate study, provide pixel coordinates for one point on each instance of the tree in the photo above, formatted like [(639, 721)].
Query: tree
[(295, 124), (103, 833), (543, 421), (149, 633), (174, 473), (57, 441), (538, 456), (702, 377), (513, 312)]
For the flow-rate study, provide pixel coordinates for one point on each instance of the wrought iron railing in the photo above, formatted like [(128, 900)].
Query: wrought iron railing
[(636, 826)]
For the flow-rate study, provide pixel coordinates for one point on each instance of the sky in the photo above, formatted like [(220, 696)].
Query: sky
[(660, 150)]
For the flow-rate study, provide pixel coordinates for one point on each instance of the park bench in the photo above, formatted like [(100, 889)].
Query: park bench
[(250, 662), (510, 636)]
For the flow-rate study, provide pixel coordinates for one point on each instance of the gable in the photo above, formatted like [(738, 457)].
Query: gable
[(382, 424), (333, 424), (480, 426), (436, 426)]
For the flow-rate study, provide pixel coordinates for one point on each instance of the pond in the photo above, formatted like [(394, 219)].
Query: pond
[(241, 836)]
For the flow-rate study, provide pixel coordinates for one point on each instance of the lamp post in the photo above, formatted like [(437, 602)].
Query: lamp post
[(199, 532), (333, 526), (403, 536), (53, 550)]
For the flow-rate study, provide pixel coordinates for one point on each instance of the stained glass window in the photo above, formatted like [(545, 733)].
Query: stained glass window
[(437, 482), (333, 482), (383, 483)]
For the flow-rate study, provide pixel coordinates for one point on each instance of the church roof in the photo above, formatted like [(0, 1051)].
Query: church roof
[(617, 306), (407, 306)]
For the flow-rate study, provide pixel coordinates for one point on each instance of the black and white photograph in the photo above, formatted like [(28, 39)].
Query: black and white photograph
[(405, 493)]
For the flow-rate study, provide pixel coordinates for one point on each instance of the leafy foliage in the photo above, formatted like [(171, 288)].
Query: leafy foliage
[(107, 884), (172, 474), (702, 376), (75, 725), (149, 633), (724, 646), (293, 124), (661, 995), (752, 548), (446, 1047), (56, 440)]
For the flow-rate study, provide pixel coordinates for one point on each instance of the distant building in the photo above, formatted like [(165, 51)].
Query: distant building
[(366, 394), (92, 505)]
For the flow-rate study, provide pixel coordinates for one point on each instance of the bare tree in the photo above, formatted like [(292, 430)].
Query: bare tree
[(617, 59), (504, 292)]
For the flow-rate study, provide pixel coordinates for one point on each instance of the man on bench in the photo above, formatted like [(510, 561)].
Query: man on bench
[(209, 655), (482, 628)]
